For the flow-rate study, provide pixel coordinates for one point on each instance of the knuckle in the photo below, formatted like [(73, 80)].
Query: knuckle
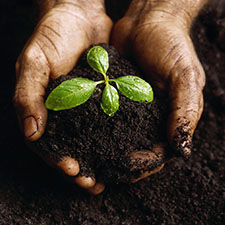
[(190, 73), (191, 77), (34, 57), (201, 78), (20, 98), (196, 75), (29, 55)]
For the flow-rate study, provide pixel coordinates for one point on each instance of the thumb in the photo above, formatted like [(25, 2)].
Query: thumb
[(32, 78), (185, 91)]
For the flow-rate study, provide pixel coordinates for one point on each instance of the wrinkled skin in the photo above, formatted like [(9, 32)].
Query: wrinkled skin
[(156, 33)]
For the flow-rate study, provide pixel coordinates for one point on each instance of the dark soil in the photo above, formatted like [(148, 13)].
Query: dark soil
[(102, 144), (184, 192)]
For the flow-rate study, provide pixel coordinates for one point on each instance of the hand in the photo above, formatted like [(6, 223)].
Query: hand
[(156, 33), (65, 30)]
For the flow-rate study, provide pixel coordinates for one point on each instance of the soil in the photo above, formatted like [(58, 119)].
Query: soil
[(184, 192), (100, 143)]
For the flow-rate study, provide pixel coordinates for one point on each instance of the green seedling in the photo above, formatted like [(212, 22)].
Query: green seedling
[(74, 92)]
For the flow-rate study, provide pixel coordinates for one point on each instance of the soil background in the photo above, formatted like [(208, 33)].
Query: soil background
[(184, 192)]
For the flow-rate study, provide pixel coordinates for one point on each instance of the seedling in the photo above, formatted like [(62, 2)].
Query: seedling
[(74, 92)]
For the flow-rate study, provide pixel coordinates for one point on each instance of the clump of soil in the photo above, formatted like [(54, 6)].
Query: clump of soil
[(102, 144)]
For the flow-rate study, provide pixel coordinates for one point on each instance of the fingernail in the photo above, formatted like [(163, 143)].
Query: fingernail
[(30, 126)]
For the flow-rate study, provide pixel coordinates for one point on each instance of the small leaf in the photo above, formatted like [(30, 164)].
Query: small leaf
[(110, 100), (70, 93), (135, 88), (98, 59)]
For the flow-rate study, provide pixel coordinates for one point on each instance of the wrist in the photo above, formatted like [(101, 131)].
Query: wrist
[(182, 12), (71, 5), (45, 5), (96, 5)]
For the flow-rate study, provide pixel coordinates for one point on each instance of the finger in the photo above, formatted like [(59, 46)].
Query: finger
[(147, 173), (147, 162), (68, 165), (32, 78), (85, 182), (97, 189), (181, 127), (146, 159), (186, 97)]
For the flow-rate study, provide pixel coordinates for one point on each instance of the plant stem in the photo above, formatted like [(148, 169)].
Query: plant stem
[(100, 82), (106, 80), (104, 75), (111, 80)]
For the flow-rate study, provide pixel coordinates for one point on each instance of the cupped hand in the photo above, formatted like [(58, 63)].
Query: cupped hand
[(65, 30), (156, 34)]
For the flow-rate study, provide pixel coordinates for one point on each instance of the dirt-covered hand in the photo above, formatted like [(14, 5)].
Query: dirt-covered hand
[(156, 33), (145, 163), (65, 30)]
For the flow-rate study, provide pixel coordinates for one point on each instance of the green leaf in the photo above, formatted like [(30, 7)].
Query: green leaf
[(135, 88), (98, 59), (110, 100), (70, 93)]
